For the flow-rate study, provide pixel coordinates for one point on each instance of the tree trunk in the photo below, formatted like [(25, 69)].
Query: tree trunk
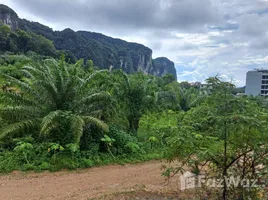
[(225, 167), (134, 125), (224, 192)]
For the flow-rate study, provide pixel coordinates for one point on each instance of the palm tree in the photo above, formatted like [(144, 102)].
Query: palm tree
[(49, 94), (133, 96), (138, 94), (190, 98)]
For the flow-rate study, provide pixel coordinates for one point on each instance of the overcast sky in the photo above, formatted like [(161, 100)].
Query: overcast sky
[(202, 37)]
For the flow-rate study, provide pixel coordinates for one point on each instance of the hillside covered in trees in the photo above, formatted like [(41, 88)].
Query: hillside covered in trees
[(104, 51)]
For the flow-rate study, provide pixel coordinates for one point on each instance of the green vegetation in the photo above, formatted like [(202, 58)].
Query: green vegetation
[(226, 133), (58, 115), (21, 41)]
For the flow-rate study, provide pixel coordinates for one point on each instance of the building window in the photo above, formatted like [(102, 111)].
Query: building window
[(265, 77), (264, 87)]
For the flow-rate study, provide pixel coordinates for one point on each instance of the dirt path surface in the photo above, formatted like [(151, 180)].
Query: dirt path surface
[(83, 184)]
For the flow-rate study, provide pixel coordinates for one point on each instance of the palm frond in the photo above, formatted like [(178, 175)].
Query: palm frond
[(96, 113), (47, 86), (22, 126), (125, 77), (13, 98), (22, 85), (49, 122), (19, 112), (61, 74), (26, 73), (77, 127), (96, 121), (47, 69), (38, 73), (93, 75), (101, 96)]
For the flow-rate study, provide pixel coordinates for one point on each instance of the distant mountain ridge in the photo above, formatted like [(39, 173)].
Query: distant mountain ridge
[(103, 50)]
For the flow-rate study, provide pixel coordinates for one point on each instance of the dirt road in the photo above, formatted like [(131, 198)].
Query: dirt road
[(83, 184)]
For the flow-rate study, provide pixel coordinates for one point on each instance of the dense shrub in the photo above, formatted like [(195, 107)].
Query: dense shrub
[(124, 141)]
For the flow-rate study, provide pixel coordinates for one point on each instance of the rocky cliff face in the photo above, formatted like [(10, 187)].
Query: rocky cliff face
[(131, 57), (9, 17), (163, 66), (103, 50)]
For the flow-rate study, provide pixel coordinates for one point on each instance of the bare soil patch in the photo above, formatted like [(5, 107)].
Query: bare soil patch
[(98, 182)]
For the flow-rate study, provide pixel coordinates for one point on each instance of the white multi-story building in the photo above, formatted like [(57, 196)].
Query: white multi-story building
[(257, 83)]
